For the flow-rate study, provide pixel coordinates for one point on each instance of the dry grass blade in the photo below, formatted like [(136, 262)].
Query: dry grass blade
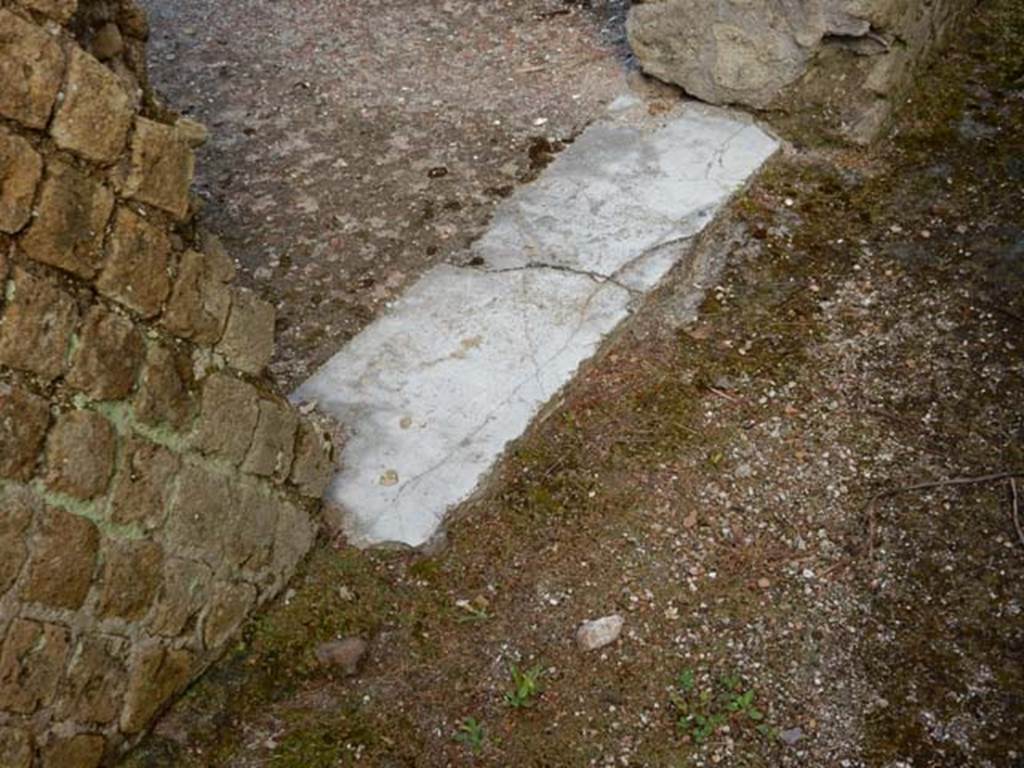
[(953, 481), (1016, 510)]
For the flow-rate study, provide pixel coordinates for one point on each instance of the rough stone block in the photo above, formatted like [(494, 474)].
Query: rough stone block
[(17, 505), (31, 664), (143, 484), (273, 442), (156, 674), (199, 305), (94, 118), (248, 340), (227, 418), (254, 527), (31, 67), (128, 66), (228, 607), (61, 561), (832, 62), (131, 18), (313, 467), (73, 212), (92, 690), (59, 10), (83, 750), (15, 748), (136, 270), (107, 42), (220, 265), (131, 578), (80, 452), (200, 513), (294, 538), (162, 165), (24, 418), (109, 352), (164, 395), (186, 585), (20, 171), (193, 132), (36, 326)]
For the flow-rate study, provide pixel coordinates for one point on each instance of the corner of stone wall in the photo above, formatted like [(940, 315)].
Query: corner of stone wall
[(154, 489)]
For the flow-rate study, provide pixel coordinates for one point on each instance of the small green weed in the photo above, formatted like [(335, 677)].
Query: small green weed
[(525, 686), (701, 712), (471, 734), (473, 611)]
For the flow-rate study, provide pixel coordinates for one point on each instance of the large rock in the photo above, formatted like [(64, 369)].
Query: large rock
[(36, 326), (80, 453), (31, 664), (73, 212), (31, 65), (109, 351), (24, 418), (841, 63), (20, 171), (136, 271), (94, 117), (63, 559)]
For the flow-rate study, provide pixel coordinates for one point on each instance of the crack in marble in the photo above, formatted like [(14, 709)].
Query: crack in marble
[(597, 277)]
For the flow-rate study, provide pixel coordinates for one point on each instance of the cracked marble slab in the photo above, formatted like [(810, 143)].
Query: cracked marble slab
[(434, 390), (621, 191)]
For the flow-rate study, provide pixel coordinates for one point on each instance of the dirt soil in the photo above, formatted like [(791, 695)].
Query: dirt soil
[(356, 144), (741, 490)]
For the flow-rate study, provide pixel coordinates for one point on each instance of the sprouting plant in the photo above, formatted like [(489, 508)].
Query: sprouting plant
[(471, 734), (743, 704), (525, 686), (730, 682), (686, 680), (474, 611), (702, 712)]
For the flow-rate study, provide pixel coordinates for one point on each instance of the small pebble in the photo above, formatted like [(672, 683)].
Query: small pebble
[(791, 736), (345, 654), (600, 632)]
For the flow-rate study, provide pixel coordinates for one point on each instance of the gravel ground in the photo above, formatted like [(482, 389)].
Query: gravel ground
[(356, 144), (741, 489)]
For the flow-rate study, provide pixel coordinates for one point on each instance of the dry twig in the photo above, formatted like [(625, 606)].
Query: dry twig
[(724, 395), (990, 478), (1016, 510), (951, 481)]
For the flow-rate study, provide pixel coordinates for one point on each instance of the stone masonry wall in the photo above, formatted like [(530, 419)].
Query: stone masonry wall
[(153, 490), (834, 67)]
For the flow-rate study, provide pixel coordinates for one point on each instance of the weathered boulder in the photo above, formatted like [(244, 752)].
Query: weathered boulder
[(840, 63)]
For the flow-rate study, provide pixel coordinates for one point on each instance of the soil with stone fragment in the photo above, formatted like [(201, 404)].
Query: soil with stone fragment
[(723, 487), (356, 144)]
